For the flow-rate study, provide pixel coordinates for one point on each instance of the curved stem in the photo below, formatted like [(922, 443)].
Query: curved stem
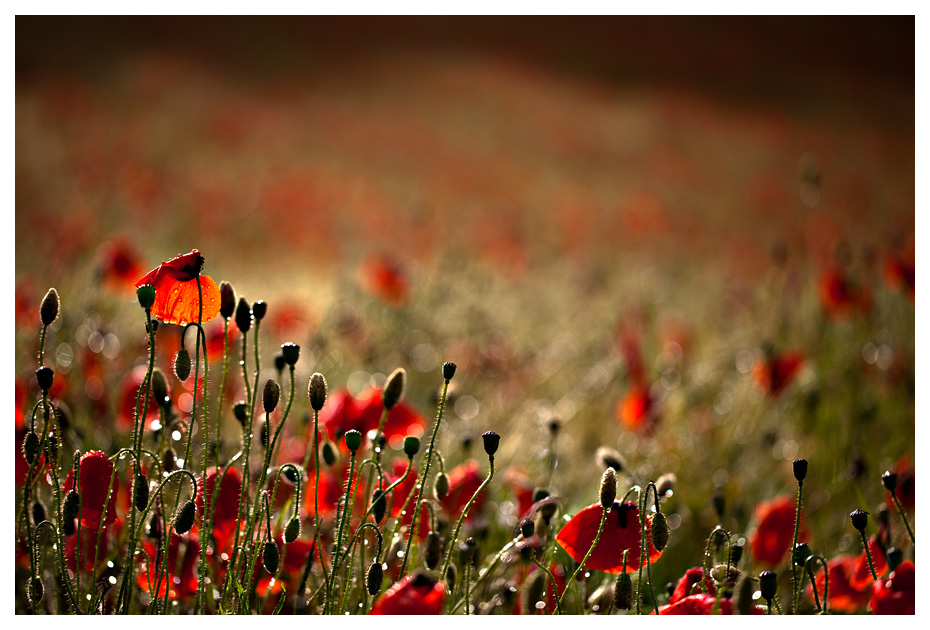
[(555, 589), (597, 538), (458, 525)]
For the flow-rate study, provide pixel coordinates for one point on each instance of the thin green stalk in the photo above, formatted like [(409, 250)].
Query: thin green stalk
[(797, 527), (597, 538), (644, 543), (342, 521), (907, 524), (868, 554), (458, 524), (555, 589)]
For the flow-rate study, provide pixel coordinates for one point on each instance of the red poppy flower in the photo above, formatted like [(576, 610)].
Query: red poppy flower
[(774, 373), (416, 594), (861, 576), (840, 297), (775, 530), (896, 595), (129, 394), (637, 409), (96, 469), (89, 549), (215, 345), (905, 490), (226, 512), (120, 264), (182, 579), (20, 400), (685, 585), (177, 300), (330, 487), (522, 487), (343, 413), (621, 532), (384, 278), (702, 604), (464, 480), (900, 273), (844, 595), (629, 348), (294, 557)]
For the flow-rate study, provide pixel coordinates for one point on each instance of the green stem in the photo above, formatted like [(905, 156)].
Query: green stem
[(597, 538), (868, 554), (797, 527), (907, 524), (458, 524), (555, 589)]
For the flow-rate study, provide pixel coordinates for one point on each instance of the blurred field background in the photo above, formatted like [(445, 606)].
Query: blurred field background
[(533, 199)]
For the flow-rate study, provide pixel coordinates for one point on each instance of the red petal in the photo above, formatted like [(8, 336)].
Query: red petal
[(578, 535)]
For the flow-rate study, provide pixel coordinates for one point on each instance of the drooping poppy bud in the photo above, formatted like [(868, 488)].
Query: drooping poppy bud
[(736, 554), (608, 490), (270, 395), (169, 460), (329, 453), (491, 442), (141, 492), (31, 447), (48, 311), (270, 557), (292, 531), (379, 505), (38, 512), (316, 390), (768, 584), (859, 519), (279, 362), (72, 505), (259, 309), (894, 556), (609, 458), (660, 531), (182, 364), (441, 487), (68, 526), (411, 446), (184, 519), (44, 377), (353, 440), (159, 387), (802, 551), (890, 480), (623, 592), (241, 412), (227, 300), (374, 578), (799, 466), (528, 528), (291, 353), (291, 474), (433, 550), (393, 390), (36, 590), (451, 574), (243, 316), (146, 296), (448, 370)]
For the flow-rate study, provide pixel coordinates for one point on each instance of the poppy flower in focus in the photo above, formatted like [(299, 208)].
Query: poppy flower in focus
[(774, 373), (384, 278), (840, 297), (177, 298), (181, 579), (120, 264), (621, 532), (637, 409), (685, 585), (775, 530), (896, 595), (226, 512), (416, 594), (464, 481), (844, 595), (96, 469)]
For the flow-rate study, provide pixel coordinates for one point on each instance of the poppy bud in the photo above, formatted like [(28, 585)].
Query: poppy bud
[(316, 390), (353, 440), (539, 494), (466, 550), (329, 453), (448, 370), (433, 550), (378, 505), (374, 578), (146, 296), (184, 519), (441, 487), (491, 441), (141, 492), (270, 395), (36, 590), (44, 377), (720, 504), (31, 447), (68, 526), (259, 309), (665, 484), (292, 530), (609, 458), (270, 557), (243, 316), (890, 480), (554, 425), (291, 474), (450, 577), (623, 592), (894, 556), (393, 390), (800, 469), (159, 386), (227, 300), (723, 574), (744, 590), (533, 592), (659, 531), (802, 551), (768, 584), (411, 445), (154, 530), (241, 412), (49, 309), (72, 505), (736, 554), (169, 461), (182, 364), (528, 528), (609, 489), (38, 512), (279, 362), (290, 352), (859, 518)]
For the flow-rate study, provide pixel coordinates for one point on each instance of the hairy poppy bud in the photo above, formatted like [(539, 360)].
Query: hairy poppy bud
[(528, 528), (292, 530), (609, 489), (270, 557), (353, 440), (68, 526), (895, 556), (768, 584), (659, 531), (623, 592), (146, 296), (736, 554), (36, 590), (393, 390), (411, 445), (316, 390), (665, 484), (378, 505), (31, 447), (279, 362), (44, 377), (72, 505), (259, 309), (182, 364), (744, 590), (241, 412), (140, 490), (720, 504), (433, 550), (450, 577), (159, 387), (49, 309), (291, 474), (448, 370), (329, 453), (270, 395), (374, 578), (890, 480), (802, 552), (154, 530), (723, 574), (169, 461), (609, 458), (227, 300), (243, 316), (290, 352), (38, 512), (491, 441), (184, 519), (800, 469), (466, 551), (859, 518), (441, 487)]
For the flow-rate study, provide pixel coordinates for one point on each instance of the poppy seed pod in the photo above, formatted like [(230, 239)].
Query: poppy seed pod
[(353, 440), (659, 531), (31, 447), (378, 505), (38, 512), (259, 309), (491, 441), (290, 352), (243, 316), (799, 466), (146, 296), (768, 584), (159, 387), (36, 590), (270, 395), (316, 390), (608, 490), (44, 377), (48, 311), (184, 519), (433, 550), (241, 412), (411, 445), (890, 480), (802, 551), (441, 487), (227, 300), (623, 592), (736, 554), (329, 453), (292, 530), (374, 577), (182, 364), (394, 388), (140, 491), (448, 370), (528, 528), (72, 505), (270, 557), (859, 518)]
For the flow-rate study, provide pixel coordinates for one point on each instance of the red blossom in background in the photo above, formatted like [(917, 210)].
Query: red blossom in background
[(840, 297), (685, 585), (776, 371), (844, 595), (384, 278), (181, 580), (775, 530), (464, 480), (343, 413), (120, 264), (637, 410), (330, 488), (702, 604), (896, 595), (177, 298), (416, 594), (226, 511), (621, 532), (96, 469)]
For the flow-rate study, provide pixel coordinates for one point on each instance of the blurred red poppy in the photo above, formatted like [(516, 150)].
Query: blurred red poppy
[(177, 299), (522, 487), (89, 548), (702, 604), (96, 469), (129, 395), (343, 413), (330, 487), (844, 596), (775, 530), (416, 594), (776, 371), (621, 532), (905, 490), (226, 512), (182, 579), (900, 273), (637, 409), (896, 595), (464, 480), (215, 344), (295, 558), (860, 578), (840, 296), (384, 278), (120, 264), (685, 585)]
